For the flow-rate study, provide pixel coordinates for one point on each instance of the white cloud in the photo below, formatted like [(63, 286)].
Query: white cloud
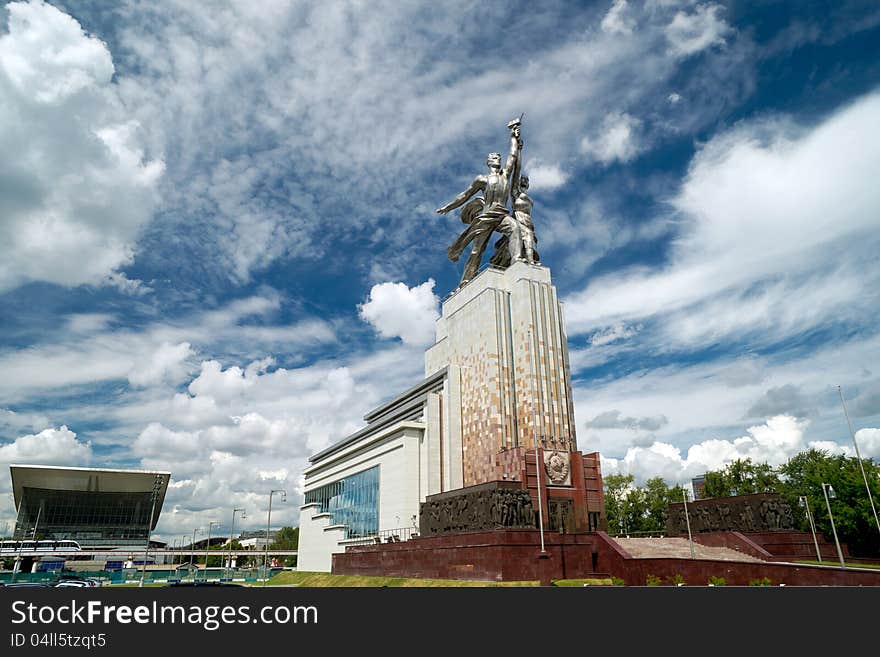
[(12, 421), (614, 333), (617, 20), (617, 140), (781, 438), (80, 188), (396, 310), (776, 224), (238, 95), (241, 431), (544, 176), (157, 354), (869, 443), (166, 363), (689, 33), (48, 447)]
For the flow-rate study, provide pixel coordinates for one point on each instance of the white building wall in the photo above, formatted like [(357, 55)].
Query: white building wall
[(398, 452)]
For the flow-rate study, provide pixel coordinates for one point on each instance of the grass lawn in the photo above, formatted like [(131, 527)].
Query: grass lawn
[(327, 580), (306, 579)]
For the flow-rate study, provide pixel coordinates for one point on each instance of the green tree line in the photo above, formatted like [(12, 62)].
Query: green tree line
[(632, 509)]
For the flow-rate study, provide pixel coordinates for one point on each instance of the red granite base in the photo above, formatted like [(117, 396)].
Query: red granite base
[(515, 555), (498, 555)]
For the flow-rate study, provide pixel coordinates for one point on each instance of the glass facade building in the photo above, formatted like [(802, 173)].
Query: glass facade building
[(352, 501), (88, 517)]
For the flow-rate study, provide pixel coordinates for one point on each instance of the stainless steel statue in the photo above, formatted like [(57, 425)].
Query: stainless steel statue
[(489, 213)]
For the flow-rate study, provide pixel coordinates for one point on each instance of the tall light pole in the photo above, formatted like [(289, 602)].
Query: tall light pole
[(232, 531), (157, 486), (192, 546), (268, 520), (183, 536), (208, 546), (687, 520), (828, 491), (804, 503), (859, 457)]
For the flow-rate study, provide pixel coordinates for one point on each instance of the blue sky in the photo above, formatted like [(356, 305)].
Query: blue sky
[(218, 248)]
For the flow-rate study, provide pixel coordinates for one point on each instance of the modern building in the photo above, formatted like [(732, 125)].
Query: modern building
[(698, 483), (496, 393), (96, 507), (256, 540)]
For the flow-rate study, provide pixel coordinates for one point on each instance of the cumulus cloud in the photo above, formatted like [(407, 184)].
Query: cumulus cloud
[(398, 311), (774, 442), (689, 33), (80, 187), (544, 176), (48, 447), (239, 431), (617, 140), (166, 363), (869, 443)]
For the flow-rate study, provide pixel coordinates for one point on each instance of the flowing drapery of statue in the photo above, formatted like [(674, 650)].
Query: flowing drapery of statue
[(489, 213)]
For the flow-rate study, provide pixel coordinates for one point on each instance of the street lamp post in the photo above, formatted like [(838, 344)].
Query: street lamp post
[(208, 546), (268, 520), (157, 486), (804, 503), (828, 491), (232, 532), (859, 457), (192, 546), (687, 520)]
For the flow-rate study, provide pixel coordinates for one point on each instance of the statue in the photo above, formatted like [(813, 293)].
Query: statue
[(484, 215), (522, 213)]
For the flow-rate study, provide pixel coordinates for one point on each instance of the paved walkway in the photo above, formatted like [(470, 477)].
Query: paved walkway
[(648, 548)]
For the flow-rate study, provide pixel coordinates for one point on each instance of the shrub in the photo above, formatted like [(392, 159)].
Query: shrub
[(764, 581), (677, 580), (617, 581), (717, 581), (652, 580)]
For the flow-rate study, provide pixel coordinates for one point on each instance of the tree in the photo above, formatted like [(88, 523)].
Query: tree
[(287, 538), (741, 477), (631, 509), (658, 497), (804, 474), (617, 487)]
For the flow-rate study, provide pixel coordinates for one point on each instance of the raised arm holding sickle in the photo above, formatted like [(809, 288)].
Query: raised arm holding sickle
[(488, 213)]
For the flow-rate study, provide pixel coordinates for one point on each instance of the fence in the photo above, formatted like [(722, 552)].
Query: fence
[(152, 575)]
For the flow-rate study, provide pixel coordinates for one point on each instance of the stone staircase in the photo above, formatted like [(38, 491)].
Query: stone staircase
[(679, 548)]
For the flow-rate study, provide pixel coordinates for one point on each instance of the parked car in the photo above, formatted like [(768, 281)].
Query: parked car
[(21, 585), (202, 584), (77, 581)]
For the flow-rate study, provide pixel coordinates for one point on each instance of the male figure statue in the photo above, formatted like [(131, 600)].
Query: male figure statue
[(489, 213), (522, 212)]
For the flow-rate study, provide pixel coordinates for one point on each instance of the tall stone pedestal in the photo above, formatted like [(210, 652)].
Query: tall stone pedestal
[(503, 335), (501, 339)]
